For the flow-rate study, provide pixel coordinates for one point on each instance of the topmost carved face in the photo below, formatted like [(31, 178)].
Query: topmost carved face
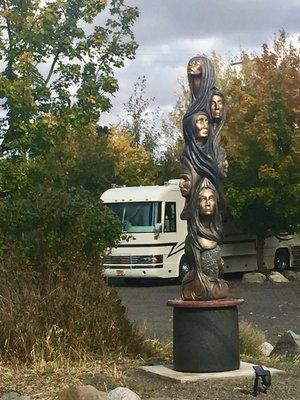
[(217, 106), (207, 202), (194, 66)]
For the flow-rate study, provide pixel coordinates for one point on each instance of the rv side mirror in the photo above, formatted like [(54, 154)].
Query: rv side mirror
[(158, 228)]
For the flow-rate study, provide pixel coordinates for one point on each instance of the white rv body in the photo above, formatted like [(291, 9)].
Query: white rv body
[(148, 254), (144, 252)]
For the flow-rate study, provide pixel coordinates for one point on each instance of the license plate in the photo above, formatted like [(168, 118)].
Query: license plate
[(120, 272)]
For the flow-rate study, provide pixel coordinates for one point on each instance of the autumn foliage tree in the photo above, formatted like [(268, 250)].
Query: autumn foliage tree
[(262, 140), (132, 161)]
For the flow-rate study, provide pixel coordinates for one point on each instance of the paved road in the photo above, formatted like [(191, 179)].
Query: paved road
[(273, 308)]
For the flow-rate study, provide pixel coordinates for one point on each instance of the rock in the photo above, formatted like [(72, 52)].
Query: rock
[(254, 277), (288, 345), (290, 275), (87, 392), (10, 396), (277, 277), (122, 393), (265, 349), (14, 396)]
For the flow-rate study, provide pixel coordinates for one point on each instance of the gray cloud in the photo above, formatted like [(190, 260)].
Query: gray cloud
[(161, 20), (170, 32)]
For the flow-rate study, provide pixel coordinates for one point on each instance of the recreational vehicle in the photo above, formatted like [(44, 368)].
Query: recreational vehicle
[(152, 244)]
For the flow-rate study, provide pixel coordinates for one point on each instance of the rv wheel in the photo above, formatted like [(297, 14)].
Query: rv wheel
[(282, 260), (184, 268)]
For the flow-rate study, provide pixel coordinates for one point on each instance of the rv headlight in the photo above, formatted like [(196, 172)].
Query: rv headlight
[(149, 259), (156, 259)]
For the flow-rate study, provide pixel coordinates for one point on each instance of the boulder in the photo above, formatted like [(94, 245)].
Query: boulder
[(288, 346), (254, 277), (265, 349), (277, 277), (14, 396), (122, 393), (86, 392), (290, 275)]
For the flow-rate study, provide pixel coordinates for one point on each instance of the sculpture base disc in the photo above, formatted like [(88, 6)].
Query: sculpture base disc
[(205, 335)]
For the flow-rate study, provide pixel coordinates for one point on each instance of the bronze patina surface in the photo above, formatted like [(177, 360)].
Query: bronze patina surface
[(222, 303), (203, 165)]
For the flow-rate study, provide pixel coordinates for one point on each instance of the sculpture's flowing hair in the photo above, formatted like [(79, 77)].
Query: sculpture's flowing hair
[(186, 166), (205, 158), (211, 229), (208, 76), (197, 153)]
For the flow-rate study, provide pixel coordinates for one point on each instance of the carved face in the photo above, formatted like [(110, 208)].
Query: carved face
[(225, 167), (194, 66), (217, 106), (207, 202), (201, 126), (185, 184)]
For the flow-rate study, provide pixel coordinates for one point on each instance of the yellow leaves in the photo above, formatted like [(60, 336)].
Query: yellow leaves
[(266, 172), (263, 195), (130, 161), (26, 57), (91, 99), (247, 100)]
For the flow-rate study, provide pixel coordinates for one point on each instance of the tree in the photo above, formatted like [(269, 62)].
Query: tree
[(56, 78), (135, 141), (79, 60), (140, 120), (262, 135), (168, 165), (132, 162)]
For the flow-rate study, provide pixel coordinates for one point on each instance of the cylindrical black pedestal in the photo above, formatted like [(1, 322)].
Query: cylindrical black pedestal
[(206, 335)]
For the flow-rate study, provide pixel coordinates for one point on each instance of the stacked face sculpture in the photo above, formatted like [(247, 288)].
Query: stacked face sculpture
[(203, 165)]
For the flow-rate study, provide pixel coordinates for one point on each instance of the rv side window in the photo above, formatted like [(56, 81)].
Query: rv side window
[(170, 217)]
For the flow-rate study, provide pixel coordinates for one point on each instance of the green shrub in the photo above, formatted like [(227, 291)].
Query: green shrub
[(56, 228), (53, 300), (75, 316), (250, 339)]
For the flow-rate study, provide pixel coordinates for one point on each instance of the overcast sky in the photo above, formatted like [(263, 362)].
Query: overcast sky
[(170, 32)]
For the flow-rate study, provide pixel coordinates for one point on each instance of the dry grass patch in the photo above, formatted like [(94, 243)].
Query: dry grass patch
[(251, 338)]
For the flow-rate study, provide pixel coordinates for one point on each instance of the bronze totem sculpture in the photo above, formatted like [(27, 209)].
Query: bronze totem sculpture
[(203, 165)]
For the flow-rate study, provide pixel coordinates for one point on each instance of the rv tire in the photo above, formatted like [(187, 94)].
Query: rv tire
[(281, 260)]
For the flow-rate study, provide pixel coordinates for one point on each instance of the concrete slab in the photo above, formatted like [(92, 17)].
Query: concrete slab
[(167, 372)]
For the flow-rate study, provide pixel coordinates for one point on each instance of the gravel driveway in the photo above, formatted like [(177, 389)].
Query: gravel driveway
[(273, 308)]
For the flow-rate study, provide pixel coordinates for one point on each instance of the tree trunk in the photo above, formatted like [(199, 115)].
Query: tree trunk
[(260, 241)]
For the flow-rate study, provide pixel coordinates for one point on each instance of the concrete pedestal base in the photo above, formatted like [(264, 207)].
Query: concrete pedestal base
[(167, 372), (205, 335)]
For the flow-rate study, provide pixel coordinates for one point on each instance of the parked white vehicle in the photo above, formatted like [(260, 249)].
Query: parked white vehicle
[(154, 234)]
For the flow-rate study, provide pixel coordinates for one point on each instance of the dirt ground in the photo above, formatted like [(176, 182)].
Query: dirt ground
[(46, 384)]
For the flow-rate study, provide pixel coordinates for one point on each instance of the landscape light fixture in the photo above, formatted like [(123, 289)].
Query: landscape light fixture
[(262, 376)]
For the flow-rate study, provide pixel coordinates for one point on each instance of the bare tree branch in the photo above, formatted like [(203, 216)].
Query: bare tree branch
[(52, 67)]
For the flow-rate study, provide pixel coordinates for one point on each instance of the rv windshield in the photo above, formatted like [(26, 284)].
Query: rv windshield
[(138, 217)]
